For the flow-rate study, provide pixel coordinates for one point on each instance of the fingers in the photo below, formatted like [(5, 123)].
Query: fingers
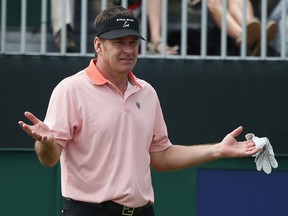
[(252, 150), (31, 117), (29, 129), (21, 123), (25, 127), (237, 131), (251, 144)]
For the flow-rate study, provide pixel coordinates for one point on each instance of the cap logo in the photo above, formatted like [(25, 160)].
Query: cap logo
[(126, 22), (125, 19), (118, 27)]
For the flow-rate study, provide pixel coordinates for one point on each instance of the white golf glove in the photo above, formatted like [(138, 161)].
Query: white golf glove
[(265, 158)]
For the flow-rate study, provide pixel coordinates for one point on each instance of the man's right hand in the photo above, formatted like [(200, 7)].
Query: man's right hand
[(39, 130), (48, 151)]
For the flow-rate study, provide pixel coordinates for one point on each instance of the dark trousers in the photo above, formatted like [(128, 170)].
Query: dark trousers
[(76, 208)]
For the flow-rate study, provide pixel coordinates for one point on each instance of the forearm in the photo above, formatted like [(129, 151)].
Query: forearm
[(181, 157), (48, 153)]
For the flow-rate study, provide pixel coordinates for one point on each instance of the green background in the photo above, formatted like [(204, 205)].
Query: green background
[(201, 100)]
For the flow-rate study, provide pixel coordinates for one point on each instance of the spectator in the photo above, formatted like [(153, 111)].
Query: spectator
[(276, 16), (154, 16), (154, 13), (56, 19), (110, 129), (234, 19)]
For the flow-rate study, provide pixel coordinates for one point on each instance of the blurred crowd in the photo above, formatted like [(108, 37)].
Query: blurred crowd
[(236, 26)]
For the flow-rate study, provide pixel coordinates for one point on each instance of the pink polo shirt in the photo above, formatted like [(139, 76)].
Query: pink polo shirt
[(107, 137)]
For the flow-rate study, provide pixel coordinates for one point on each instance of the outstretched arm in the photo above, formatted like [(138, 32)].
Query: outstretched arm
[(47, 149), (180, 157)]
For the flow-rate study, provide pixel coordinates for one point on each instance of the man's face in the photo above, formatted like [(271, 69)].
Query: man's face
[(119, 55)]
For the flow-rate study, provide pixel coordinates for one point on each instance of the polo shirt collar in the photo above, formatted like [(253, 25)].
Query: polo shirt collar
[(97, 78)]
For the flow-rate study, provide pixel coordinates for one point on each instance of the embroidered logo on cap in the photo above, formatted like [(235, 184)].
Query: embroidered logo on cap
[(126, 22), (118, 27)]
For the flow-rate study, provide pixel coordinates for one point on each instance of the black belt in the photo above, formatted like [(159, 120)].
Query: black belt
[(115, 207)]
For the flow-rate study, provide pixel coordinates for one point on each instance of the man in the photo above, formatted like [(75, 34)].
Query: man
[(235, 26), (106, 127), (56, 22)]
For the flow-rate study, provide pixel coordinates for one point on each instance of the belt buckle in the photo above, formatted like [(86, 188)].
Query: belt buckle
[(127, 211)]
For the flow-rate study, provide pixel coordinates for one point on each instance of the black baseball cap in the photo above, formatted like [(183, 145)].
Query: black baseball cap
[(116, 27)]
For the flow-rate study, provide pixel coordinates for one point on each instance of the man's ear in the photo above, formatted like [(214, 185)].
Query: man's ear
[(97, 45)]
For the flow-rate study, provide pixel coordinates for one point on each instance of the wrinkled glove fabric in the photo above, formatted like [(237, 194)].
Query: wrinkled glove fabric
[(265, 158)]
